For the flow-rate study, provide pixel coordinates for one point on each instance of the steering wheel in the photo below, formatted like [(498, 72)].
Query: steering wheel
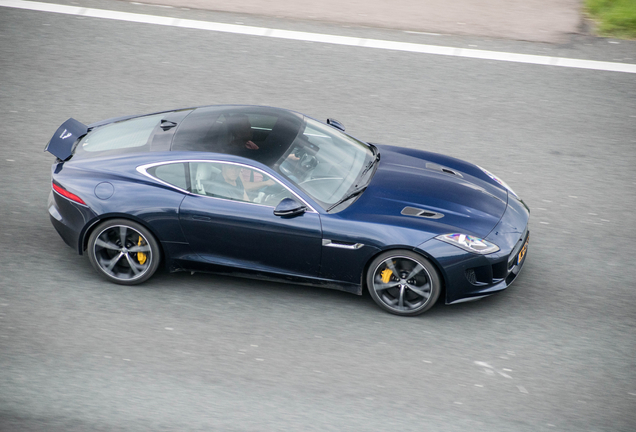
[(268, 194)]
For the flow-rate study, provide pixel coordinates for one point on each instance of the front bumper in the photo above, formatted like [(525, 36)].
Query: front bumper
[(470, 276)]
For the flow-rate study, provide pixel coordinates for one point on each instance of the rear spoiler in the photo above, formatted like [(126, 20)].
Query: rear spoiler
[(61, 145)]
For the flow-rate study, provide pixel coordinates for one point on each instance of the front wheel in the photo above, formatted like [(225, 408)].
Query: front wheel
[(403, 282), (123, 252)]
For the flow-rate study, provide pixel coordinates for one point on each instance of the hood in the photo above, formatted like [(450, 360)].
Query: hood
[(425, 193)]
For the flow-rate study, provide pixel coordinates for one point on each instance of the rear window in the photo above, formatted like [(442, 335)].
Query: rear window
[(126, 134)]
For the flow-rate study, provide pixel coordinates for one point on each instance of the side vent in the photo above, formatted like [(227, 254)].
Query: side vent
[(443, 169), (428, 214)]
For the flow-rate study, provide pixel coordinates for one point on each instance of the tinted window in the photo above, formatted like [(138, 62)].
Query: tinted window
[(235, 182), (174, 174), (121, 135), (261, 134)]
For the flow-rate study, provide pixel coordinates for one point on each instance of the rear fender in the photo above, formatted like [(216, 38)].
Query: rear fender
[(89, 227)]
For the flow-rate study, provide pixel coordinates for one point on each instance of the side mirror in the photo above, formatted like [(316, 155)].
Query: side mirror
[(289, 207), (335, 123)]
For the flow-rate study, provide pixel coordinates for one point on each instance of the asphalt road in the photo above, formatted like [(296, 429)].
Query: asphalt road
[(204, 352)]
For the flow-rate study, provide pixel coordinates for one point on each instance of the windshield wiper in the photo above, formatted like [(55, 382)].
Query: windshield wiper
[(359, 190), (353, 193), (371, 163)]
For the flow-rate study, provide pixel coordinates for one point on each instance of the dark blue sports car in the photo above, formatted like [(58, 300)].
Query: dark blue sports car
[(269, 193)]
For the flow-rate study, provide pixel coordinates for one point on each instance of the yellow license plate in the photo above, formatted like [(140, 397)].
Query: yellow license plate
[(523, 251)]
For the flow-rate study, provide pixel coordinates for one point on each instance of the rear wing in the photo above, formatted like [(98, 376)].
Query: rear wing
[(61, 145)]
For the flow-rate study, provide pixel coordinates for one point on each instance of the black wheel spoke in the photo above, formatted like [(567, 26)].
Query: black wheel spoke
[(136, 268), (141, 248), (421, 291), (418, 268), (122, 235), (106, 244), (401, 298), (109, 265), (391, 267), (383, 286)]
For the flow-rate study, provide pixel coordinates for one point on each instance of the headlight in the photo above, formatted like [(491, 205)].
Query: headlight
[(469, 243), (498, 180)]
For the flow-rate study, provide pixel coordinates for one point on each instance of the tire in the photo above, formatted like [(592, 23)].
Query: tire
[(403, 283), (123, 252)]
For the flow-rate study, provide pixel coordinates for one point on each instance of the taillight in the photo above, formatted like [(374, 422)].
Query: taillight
[(67, 194)]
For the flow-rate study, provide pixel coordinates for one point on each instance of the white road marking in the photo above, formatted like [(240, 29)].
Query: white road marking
[(322, 38), (522, 389)]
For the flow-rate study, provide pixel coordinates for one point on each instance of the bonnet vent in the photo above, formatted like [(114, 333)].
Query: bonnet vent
[(412, 211), (443, 169)]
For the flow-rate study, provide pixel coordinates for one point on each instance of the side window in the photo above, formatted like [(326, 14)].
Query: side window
[(235, 182), (174, 174)]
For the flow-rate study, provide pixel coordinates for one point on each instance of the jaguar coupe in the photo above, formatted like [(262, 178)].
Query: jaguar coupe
[(268, 193)]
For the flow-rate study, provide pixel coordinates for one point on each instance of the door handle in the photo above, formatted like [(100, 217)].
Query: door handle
[(200, 218)]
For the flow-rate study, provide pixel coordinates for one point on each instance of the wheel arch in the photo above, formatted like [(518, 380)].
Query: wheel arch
[(90, 227), (424, 254)]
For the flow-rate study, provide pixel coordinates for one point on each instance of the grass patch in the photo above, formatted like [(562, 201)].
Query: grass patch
[(615, 18)]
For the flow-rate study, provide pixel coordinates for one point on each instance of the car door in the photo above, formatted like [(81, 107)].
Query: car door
[(229, 220)]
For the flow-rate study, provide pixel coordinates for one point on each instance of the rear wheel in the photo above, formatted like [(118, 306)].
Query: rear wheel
[(403, 282), (123, 251)]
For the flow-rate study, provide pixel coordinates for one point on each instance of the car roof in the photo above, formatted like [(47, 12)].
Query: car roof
[(202, 129)]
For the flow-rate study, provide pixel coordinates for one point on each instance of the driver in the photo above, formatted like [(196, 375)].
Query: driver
[(229, 184)]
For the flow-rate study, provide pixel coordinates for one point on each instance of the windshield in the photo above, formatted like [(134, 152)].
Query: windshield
[(325, 163), (322, 161)]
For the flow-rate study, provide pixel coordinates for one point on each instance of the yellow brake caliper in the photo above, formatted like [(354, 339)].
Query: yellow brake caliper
[(141, 257), (386, 275)]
